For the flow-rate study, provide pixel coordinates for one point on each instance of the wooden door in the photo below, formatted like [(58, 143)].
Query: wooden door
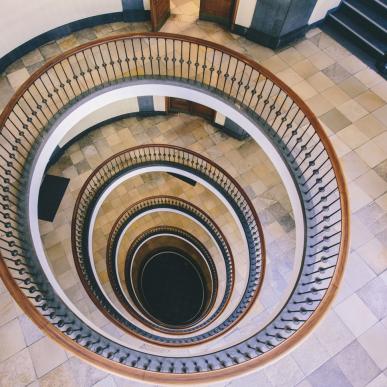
[(178, 105), (160, 12), (219, 11)]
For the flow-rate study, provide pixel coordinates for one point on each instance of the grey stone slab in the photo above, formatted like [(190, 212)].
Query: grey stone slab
[(30, 331), (335, 120), (329, 374), (336, 73), (49, 50), (381, 170), (356, 364), (333, 334), (85, 374), (374, 294)]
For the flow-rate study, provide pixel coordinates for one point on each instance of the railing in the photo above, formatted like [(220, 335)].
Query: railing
[(282, 116), (166, 155), (146, 236), (190, 210)]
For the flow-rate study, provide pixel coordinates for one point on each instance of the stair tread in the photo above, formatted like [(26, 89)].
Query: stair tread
[(383, 2), (368, 37), (369, 12)]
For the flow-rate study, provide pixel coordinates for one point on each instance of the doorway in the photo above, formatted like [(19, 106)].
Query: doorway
[(219, 11), (185, 7)]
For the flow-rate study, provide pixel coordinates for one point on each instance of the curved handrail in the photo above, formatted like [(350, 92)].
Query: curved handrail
[(167, 155), (188, 208), (133, 251), (283, 116)]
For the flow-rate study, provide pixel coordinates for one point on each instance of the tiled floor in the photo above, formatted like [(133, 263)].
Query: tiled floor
[(349, 346), (245, 161)]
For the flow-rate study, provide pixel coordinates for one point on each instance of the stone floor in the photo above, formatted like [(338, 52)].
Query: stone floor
[(349, 346), (245, 161), (185, 8)]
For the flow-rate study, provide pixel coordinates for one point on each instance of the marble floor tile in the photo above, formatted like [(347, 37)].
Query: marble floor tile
[(356, 315), (374, 295), (329, 374), (46, 355), (356, 364), (11, 339), (284, 372), (17, 370), (374, 341)]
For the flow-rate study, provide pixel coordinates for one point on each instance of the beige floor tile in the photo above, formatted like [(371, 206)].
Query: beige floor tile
[(304, 90), (321, 60), (11, 339), (381, 114), (46, 355), (369, 77), (305, 68), (356, 315), (289, 76), (374, 254), (382, 202), (18, 77), (352, 110), (8, 307), (335, 95), (275, 63), (370, 101), (317, 355), (380, 89), (357, 196), (291, 56), (372, 184), (353, 64), (371, 153), (320, 81), (370, 126), (32, 58), (352, 87), (61, 376), (335, 120), (17, 370), (306, 48), (374, 341), (352, 136), (319, 104), (284, 372)]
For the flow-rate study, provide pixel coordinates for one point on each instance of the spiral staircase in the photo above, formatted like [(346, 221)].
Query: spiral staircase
[(216, 269)]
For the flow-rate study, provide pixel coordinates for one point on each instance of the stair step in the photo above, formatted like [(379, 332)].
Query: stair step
[(363, 12), (360, 33), (382, 3)]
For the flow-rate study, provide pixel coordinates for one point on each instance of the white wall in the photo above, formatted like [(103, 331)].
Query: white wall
[(22, 20), (115, 109), (321, 9)]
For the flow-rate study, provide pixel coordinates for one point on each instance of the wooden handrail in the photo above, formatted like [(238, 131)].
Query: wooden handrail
[(232, 370)]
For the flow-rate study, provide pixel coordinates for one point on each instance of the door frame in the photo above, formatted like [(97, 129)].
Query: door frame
[(230, 26)]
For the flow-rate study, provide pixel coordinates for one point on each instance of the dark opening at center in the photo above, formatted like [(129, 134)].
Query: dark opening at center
[(172, 288)]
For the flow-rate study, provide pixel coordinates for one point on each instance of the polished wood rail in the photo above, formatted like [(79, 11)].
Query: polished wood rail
[(226, 74), (183, 159), (168, 202), (179, 239)]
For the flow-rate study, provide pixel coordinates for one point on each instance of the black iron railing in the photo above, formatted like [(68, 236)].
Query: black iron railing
[(190, 210), (175, 234), (183, 159), (282, 116)]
